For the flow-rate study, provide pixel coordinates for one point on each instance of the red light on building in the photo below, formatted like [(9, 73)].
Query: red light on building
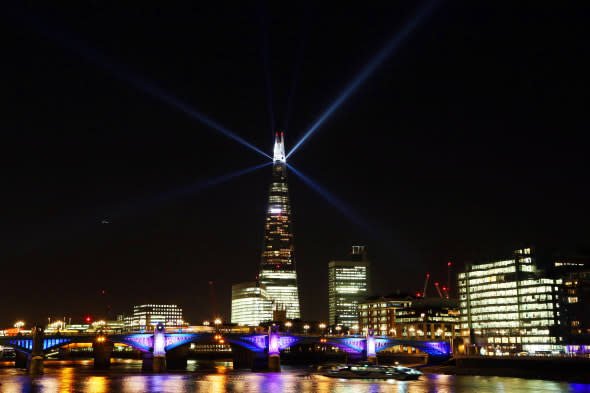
[(88, 319), (418, 294), (449, 264), (278, 266)]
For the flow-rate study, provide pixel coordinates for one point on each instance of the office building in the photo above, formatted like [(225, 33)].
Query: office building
[(575, 301), (147, 316), (250, 305), (509, 306), (348, 283), (430, 319), (378, 312), (277, 268)]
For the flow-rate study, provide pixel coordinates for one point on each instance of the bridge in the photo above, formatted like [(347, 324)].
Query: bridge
[(257, 350)]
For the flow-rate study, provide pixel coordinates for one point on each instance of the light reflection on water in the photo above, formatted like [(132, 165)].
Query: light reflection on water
[(125, 376)]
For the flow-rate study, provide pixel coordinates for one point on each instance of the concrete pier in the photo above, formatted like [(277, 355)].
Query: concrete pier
[(102, 350), (35, 365)]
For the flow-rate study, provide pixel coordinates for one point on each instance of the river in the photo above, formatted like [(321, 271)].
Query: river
[(125, 376)]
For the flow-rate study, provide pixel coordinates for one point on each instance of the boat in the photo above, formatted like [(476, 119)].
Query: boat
[(372, 371)]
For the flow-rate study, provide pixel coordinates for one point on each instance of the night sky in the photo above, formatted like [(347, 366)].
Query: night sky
[(468, 141)]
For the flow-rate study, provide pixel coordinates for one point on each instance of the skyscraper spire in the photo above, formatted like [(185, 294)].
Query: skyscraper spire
[(277, 266), (279, 148)]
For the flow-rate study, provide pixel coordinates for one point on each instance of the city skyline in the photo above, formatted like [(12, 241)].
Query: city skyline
[(457, 146)]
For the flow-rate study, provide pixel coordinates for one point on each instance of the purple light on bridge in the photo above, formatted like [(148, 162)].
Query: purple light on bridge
[(258, 340), (287, 341), (437, 348), (140, 341), (273, 343), (352, 345), (174, 340)]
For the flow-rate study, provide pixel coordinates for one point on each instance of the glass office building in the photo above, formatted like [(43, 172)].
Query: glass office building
[(348, 283), (507, 306), (277, 268), (250, 304)]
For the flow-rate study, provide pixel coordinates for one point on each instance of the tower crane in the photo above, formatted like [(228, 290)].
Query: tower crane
[(425, 284), (438, 289)]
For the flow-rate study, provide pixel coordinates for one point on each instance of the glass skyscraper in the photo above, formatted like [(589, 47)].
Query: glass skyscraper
[(348, 283), (277, 268)]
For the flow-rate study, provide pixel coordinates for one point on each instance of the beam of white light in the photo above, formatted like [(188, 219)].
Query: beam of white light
[(82, 49), (188, 190), (375, 62), (334, 201)]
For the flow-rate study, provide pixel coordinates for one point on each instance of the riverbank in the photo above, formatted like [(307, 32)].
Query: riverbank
[(555, 369)]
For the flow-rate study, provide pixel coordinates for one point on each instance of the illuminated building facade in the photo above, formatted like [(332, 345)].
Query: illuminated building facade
[(378, 312), (429, 319), (507, 307), (348, 283), (277, 268), (575, 301), (146, 316), (250, 305)]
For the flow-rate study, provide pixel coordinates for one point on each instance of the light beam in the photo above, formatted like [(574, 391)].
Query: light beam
[(375, 62), (334, 201), (185, 191), (90, 55), (266, 61), (298, 62)]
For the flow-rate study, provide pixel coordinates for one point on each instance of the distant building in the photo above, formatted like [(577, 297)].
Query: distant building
[(348, 283), (378, 312), (250, 304), (431, 318), (575, 301), (146, 316), (509, 306)]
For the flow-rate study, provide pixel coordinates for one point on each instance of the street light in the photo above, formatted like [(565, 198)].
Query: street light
[(322, 326), (205, 323), (19, 325), (338, 329), (306, 328), (288, 324)]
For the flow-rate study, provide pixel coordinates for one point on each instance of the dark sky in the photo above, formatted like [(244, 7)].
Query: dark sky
[(468, 141)]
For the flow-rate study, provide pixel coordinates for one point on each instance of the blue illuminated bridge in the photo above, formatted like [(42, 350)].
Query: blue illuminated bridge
[(255, 350)]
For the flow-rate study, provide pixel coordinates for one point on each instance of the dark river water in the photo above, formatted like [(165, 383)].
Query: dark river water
[(125, 376)]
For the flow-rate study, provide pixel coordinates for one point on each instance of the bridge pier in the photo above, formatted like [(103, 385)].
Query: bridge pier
[(102, 350), (35, 364), (176, 358), (147, 361), (21, 360), (370, 352), (159, 364), (274, 353)]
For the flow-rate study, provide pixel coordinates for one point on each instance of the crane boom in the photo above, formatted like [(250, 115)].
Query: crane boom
[(425, 285), (438, 289)]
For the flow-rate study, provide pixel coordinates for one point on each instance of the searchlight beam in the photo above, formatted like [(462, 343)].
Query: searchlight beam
[(375, 62)]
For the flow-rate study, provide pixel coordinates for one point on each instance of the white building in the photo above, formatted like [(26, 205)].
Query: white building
[(250, 304), (146, 316)]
